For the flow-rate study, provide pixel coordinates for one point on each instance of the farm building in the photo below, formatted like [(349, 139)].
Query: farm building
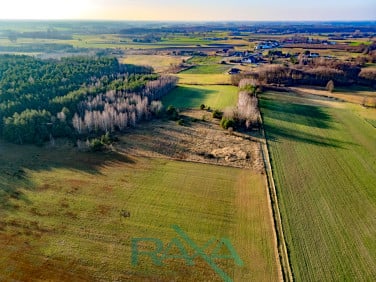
[(267, 45), (249, 60), (234, 71)]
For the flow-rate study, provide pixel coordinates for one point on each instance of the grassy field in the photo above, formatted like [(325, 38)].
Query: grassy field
[(204, 60), (355, 94), (107, 41), (61, 216), (160, 63), (324, 166), (206, 65), (204, 79), (207, 69), (214, 96), (360, 42)]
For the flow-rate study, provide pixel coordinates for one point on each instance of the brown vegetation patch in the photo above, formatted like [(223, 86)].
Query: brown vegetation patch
[(198, 140), (20, 261), (76, 183), (45, 186), (31, 228), (38, 212), (104, 209)]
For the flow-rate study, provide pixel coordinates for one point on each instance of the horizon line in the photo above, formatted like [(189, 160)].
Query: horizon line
[(197, 21)]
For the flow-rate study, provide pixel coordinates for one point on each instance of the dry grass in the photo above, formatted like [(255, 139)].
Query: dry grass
[(199, 141), (160, 63), (204, 79)]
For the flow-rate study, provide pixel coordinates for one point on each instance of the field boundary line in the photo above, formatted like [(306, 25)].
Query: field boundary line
[(167, 158), (283, 257)]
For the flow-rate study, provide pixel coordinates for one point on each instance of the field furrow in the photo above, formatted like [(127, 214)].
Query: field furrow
[(324, 166)]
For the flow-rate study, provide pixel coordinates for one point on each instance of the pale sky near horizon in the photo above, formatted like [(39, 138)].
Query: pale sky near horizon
[(186, 10)]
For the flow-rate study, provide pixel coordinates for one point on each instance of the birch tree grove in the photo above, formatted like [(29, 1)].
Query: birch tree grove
[(248, 108), (246, 113), (115, 110)]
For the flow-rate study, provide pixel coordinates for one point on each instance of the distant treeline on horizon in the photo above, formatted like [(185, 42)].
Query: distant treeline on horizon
[(283, 27)]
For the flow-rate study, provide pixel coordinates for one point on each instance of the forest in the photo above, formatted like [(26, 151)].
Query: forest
[(78, 97)]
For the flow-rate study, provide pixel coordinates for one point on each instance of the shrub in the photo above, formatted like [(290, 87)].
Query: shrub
[(217, 114), (100, 144), (96, 145), (170, 109), (294, 60), (106, 139), (180, 122), (172, 113), (227, 123), (202, 107)]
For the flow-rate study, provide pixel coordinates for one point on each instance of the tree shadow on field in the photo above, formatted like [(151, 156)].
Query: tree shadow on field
[(308, 115), (274, 133), (187, 97), (17, 160), (298, 114)]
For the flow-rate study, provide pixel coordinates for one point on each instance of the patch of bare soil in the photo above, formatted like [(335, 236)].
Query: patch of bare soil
[(200, 139)]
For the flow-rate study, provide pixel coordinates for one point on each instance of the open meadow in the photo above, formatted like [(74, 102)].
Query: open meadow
[(323, 155), (192, 96), (69, 215), (160, 63), (356, 95), (62, 216), (119, 186), (204, 79), (207, 69)]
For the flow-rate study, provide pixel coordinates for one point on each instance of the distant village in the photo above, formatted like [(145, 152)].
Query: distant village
[(262, 51), (258, 56)]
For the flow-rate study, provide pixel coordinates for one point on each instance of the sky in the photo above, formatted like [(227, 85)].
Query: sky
[(191, 10)]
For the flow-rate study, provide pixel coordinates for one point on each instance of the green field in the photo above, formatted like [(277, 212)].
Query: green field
[(324, 165), (204, 60), (206, 65), (207, 69), (214, 96), (61, 216), (204, 79)]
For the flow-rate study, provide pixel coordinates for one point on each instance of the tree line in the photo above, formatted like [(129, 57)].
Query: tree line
[(74, 97), (312, 72)]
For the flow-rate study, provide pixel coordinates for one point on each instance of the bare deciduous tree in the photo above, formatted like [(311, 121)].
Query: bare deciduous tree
[(116, 110)]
